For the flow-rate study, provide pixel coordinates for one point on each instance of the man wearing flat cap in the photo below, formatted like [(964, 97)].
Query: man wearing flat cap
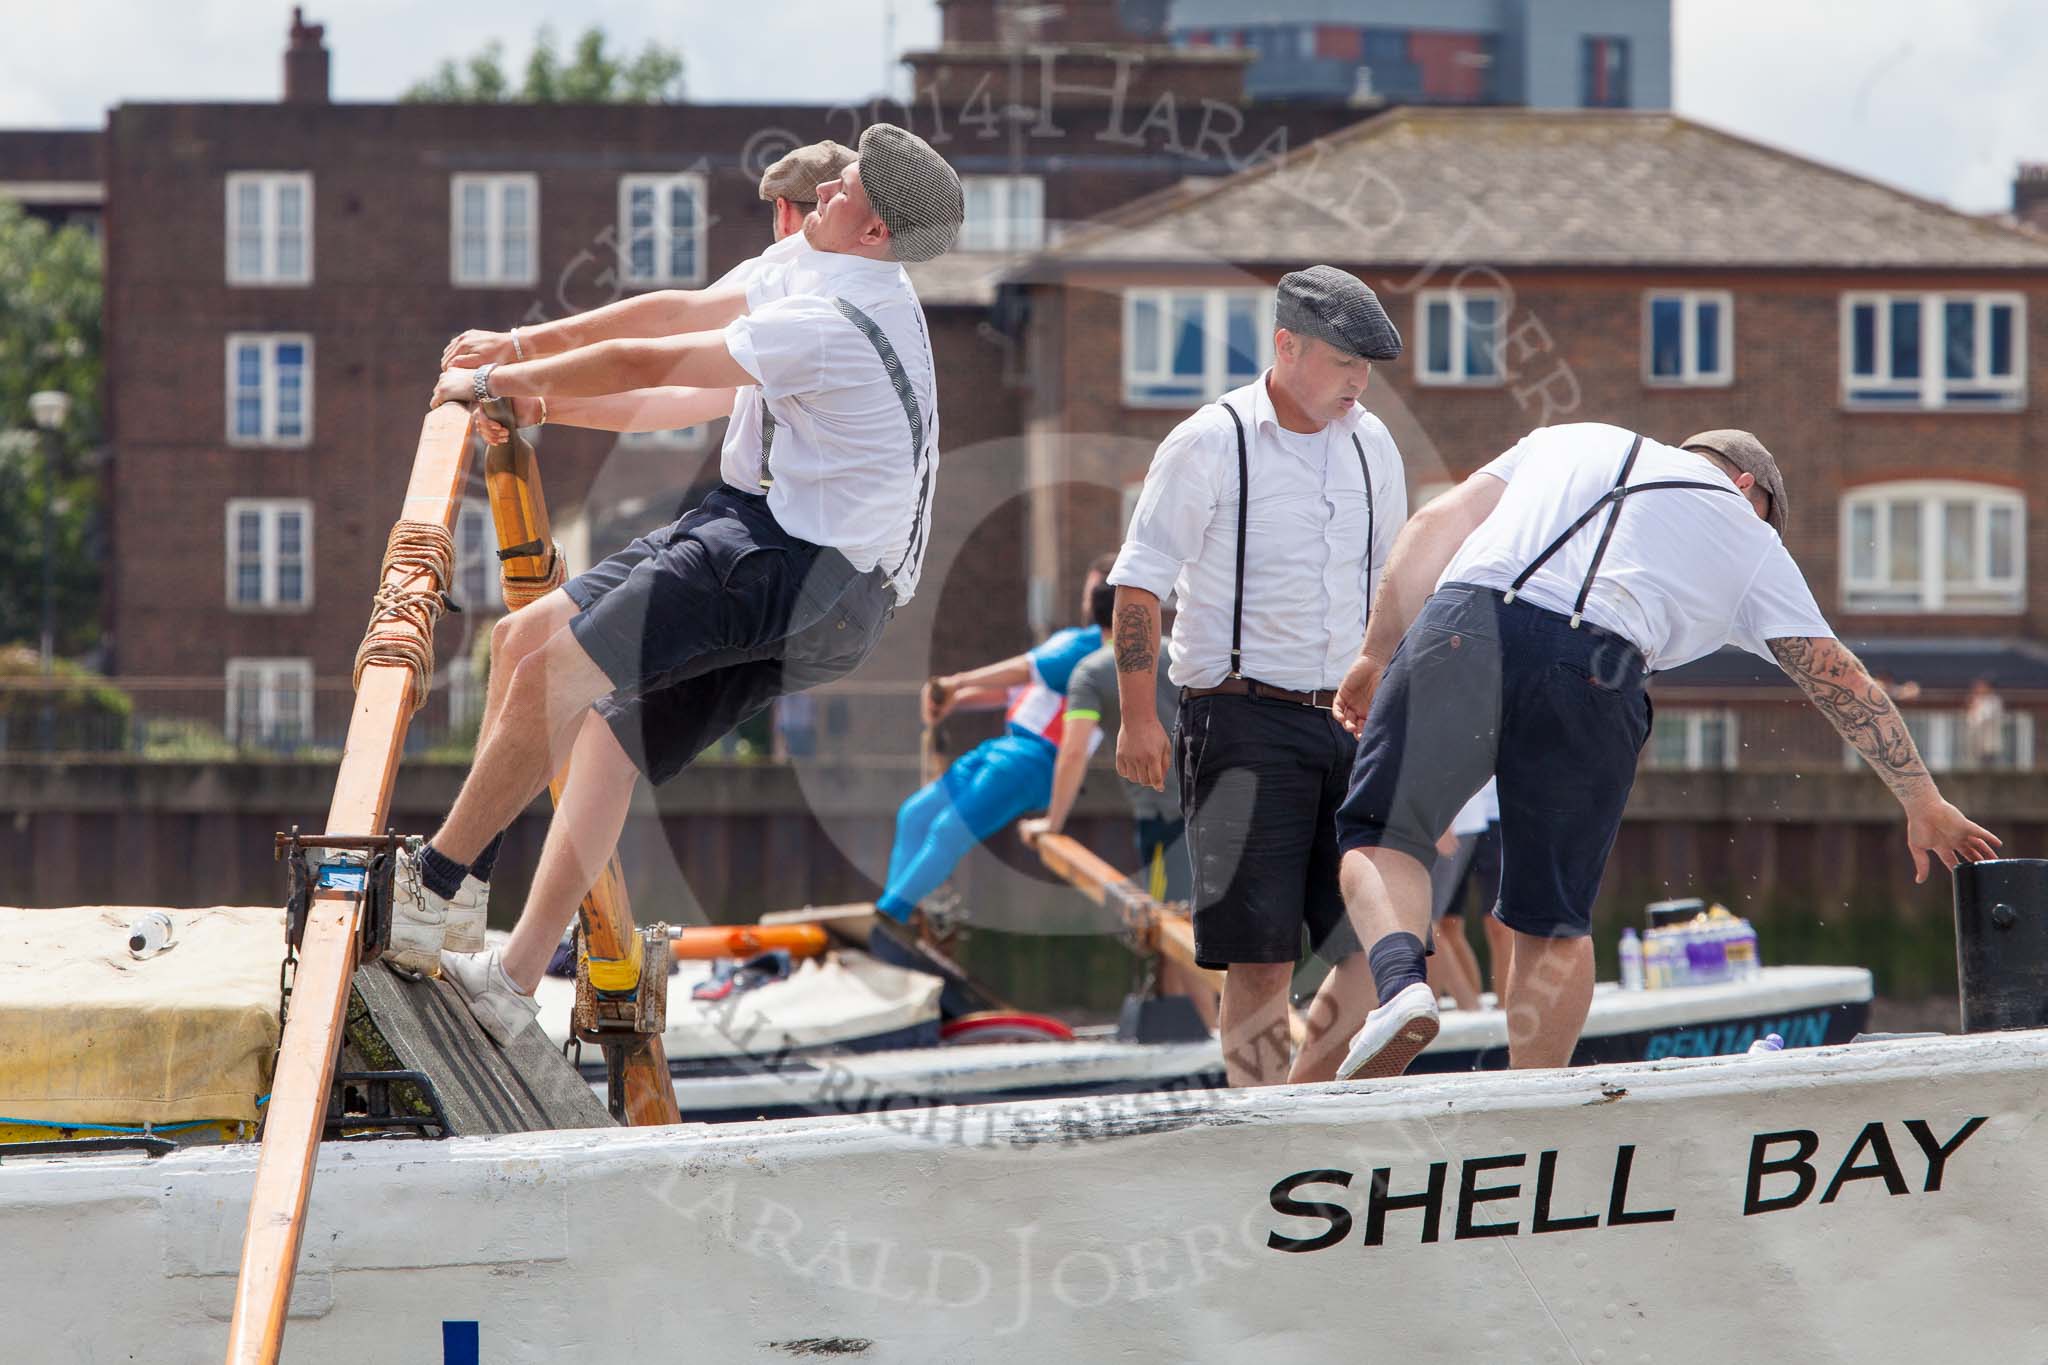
[(1270, 513), (790, 186), (1522, 614), (782, 579)]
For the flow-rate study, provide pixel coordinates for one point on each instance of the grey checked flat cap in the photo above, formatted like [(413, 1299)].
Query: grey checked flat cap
[(1747, 454), (796, 177), (1325, 302), (915, 193)]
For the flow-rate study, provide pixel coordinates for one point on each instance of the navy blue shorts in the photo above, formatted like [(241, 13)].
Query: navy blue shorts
[(703, 623), (1483, 687)]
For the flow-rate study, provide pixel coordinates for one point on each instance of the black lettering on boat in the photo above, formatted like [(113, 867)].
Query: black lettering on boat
[(1797, 1165), (1471, 1195), (1937, 1154), (1285, 1204), (1380, 1203), (1618, 1215), (1882, 1166), (1546, 1183)]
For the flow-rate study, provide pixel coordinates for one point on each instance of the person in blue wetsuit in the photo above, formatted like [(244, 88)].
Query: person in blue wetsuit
[(999, 779)]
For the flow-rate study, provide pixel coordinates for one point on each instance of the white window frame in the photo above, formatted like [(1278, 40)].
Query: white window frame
[(1215, 374), (267, 378), (1696, 720), (265, 675), (1010, 225), (494, 275), (1690, 375), (1932, 495), (480, 596), (664, 186), (268, 231), (1929, 393), (270, 509), (1458, 299), (677, 438)]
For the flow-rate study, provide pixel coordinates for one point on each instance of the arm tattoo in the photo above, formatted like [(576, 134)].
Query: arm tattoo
[(1135, 648), (1835, 681)]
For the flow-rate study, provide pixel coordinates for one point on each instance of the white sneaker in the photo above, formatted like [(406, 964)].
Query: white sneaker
[(1394, 1034), (466, 916), (419, 918), (497, 1004)]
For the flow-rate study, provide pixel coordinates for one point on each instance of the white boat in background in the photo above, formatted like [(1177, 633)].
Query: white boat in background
[(1862, 1203)]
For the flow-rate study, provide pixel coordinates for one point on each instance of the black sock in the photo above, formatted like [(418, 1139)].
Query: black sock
[(441, 874), (488, 859), (1396, 964)]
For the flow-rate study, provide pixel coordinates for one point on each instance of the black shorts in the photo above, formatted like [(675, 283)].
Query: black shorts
[(1483, 687), (703, 623), (1260, 781)]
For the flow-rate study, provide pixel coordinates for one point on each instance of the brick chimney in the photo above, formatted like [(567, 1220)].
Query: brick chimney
[(2030, 194), (305, 62)]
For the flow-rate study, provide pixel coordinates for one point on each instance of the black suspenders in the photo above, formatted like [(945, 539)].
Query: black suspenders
[(1243, 507), (1612, 500)]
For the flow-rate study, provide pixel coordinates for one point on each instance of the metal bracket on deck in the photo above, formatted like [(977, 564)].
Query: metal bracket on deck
[(361, 863), (360, 1107), (604, 1015)]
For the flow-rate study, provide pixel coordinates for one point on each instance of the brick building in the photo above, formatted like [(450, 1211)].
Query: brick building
[(281, 279), (1644, 270)]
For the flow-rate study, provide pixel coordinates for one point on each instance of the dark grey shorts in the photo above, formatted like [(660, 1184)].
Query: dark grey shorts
[(703, 623), (1260, 782), (1483, 687)]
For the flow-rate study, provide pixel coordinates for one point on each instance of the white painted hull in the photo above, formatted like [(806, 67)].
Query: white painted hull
[(1127, 1228)]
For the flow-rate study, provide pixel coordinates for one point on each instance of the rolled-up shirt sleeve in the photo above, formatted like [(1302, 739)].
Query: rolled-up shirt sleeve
[(1175, 508), (782, 343)]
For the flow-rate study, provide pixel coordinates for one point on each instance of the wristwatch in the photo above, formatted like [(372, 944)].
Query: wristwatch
[(480, 383)]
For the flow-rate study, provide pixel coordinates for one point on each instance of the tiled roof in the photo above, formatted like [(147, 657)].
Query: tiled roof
[(1530, 187)]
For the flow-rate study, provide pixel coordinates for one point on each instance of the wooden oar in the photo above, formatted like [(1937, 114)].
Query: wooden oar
[(530, 567), (327, 955), (1159, 928)]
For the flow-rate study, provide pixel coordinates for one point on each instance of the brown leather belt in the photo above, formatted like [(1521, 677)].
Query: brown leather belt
[(1252, 687)]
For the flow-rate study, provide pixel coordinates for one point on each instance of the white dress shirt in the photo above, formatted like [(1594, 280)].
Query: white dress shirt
[(844, 472), (1306, 561), (1688, 570)]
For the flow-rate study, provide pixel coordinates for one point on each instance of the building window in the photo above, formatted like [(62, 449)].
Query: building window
[(476, 555), (1928, 546), (1965, 352), (661, 228), (1603, 73), (1688, 337), (1692, 740), (494, 222), (1459, 335), (1004, 213), (270, 228), (678, 438), (269, 702), (1182, 346), (270, 389), (1943, 739), (270, 554)]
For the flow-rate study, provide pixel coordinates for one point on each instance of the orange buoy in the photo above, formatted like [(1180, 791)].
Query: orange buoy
[(701, 941)]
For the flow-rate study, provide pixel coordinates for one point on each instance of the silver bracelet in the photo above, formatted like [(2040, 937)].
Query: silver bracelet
[(480, 384), (518, 351)]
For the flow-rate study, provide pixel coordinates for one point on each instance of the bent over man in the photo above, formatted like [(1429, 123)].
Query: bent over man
[(1522, 615), (781, 580), (1270, 513)]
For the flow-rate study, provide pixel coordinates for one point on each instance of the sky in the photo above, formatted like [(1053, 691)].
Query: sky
[(1940, 99)]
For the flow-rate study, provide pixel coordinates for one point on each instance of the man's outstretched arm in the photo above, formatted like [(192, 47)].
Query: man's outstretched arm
[(667, 409), (664, 312), (1838, 685), (697, 360)]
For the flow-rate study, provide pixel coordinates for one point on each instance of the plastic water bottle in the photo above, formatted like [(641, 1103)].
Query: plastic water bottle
[(1742, 954), (1770, 1042), (149, 935), (1631, 959)]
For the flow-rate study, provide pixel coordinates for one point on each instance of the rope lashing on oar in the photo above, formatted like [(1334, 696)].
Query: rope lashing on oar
[(402, 616), (521, 590)]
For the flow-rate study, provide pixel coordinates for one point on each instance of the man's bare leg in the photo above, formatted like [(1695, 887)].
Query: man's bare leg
[(1500, 950), (585, 830), (1254, 1022), (513, 638), (1385, 892), (549, 693), (1346, 996), (1550, 981), (1454, 968)]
